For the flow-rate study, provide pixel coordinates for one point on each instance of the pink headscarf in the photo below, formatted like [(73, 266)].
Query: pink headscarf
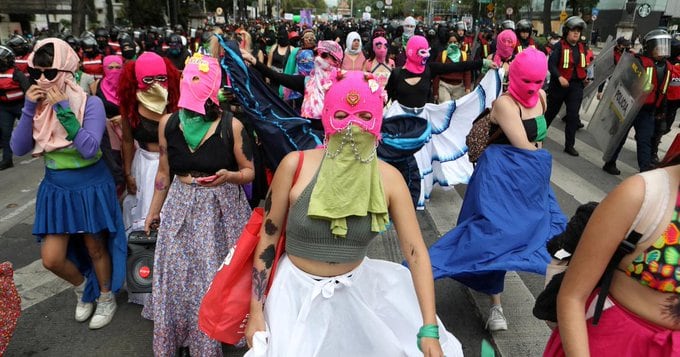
[(320, 79), (529, 68), (109, 84), (380, 53), (193, 94), (48, 133), (149, 64), (506, 42), (417, 54), (356, 93)]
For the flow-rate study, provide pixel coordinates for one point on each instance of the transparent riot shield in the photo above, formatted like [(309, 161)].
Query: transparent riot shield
[(620, 103)]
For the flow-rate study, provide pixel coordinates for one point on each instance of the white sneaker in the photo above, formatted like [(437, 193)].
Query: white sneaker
[(106, 308), (83, 309), (496, 321)]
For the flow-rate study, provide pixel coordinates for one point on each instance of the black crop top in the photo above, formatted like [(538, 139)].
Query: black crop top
[(111, 109), (535, 128), (213, 155), (146, 132)]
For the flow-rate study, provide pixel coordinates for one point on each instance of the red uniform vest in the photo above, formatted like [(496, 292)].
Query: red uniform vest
[(519, 48), (10, 90), (658, 90), (566, 64), (94, 66), (673, 92), (21, 63)]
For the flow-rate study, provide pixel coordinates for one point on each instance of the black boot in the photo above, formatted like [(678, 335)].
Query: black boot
[(571, 151), (610, 168), (6, 164)]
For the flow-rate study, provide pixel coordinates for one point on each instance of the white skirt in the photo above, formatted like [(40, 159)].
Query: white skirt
[(135, 207), (370, 311)]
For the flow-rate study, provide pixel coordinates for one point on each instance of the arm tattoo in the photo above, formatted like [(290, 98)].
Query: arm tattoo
[(160, 185), (267, 256), (246, 145), (268, 202), (270, 228), (259, 283), (672, 308)]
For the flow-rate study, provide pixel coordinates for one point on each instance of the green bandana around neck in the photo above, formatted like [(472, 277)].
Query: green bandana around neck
[(193, 128), (453, 52), (349, 183)]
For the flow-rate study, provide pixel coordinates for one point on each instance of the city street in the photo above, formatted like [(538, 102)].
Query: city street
[(47, 327)]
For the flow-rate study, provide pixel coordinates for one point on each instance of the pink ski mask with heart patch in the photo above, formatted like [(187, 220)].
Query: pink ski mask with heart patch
[(359, 96)]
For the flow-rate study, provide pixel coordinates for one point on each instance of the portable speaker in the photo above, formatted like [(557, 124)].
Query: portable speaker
[(140, 261)]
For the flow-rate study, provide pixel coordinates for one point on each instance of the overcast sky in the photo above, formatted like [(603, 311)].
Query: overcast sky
[(332, 2)]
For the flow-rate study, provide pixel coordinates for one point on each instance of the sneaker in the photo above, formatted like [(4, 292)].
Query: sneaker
[(571, 151), (496, 321), (106, 308), (6, 165), (83, 309)]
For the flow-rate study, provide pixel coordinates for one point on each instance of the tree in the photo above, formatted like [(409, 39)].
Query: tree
[(144, 12)]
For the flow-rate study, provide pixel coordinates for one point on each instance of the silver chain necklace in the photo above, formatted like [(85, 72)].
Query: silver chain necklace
[(347, 137)]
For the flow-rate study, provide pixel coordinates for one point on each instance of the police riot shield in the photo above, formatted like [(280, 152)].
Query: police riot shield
[(599, 70), (620, 103)]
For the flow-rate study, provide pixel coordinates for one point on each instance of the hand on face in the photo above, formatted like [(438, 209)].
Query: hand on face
[(35, 94), (55, 95)]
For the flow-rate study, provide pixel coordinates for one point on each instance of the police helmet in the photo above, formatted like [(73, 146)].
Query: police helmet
[(19, 45), (460, 25), (73, 42), (507, 25), (6, 58), (88, 43), (657, 43), (523, 25), (573, 23)]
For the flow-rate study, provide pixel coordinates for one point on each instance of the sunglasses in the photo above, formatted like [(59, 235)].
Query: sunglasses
[(150, 79), (326, 55), (50, 73)]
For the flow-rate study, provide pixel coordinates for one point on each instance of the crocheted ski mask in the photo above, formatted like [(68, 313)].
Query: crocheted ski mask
[(200, 81), (417, 54), (530, 68), (362, 105)]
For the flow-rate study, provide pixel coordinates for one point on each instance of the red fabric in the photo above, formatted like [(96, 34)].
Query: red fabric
[(10, 305), (580, 70), (222, 314), (10, 90), (621, 333), (673, 92)]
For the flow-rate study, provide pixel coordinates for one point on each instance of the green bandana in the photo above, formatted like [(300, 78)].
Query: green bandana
[(193, 127), (349, 183), (453, 52)]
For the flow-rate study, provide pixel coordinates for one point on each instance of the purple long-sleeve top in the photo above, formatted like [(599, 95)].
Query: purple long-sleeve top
[(86, 141)]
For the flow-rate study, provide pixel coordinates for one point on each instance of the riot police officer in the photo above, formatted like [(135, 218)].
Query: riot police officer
[(523, 29), (13, 84), (567, 65), (654, 60), (21, 49)]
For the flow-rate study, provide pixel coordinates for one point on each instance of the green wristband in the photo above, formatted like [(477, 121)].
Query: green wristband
[(68, 121), (428, 331)]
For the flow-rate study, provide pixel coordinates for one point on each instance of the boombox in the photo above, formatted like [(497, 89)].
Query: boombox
[(140, 261)]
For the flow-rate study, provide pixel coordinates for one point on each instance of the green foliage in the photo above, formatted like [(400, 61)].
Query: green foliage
[(144, 12)]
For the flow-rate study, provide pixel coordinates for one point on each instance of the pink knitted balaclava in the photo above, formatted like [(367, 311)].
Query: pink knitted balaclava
[(417, 54), (527, 73), (357, 95)]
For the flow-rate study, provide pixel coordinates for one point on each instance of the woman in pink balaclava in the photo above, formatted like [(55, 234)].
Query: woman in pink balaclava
[(510, 184), (378, 63), (327, 298), (208, 157), (506, 42), (411, 85)]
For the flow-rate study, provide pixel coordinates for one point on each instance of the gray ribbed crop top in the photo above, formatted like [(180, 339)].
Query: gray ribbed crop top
[(312, 238)]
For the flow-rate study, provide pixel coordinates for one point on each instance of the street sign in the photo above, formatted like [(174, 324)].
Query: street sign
[(485, 1), (509, 11), (388, 7), (388, 2), (367, 9), (563, 16), (489, 14), (593, 17), (379, 4), (595, 12)]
